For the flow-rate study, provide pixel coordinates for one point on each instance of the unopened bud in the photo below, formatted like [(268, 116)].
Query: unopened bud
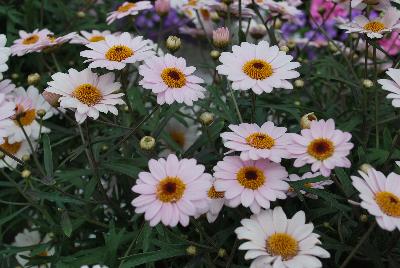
[(365, 167), (221, 37), (33, 79), (278, 24), (104, 147), (125, 108), (258, 31), (81, 14), (215, 54), (191, 250), (368, 83), (2, 155), (363, 218), (147, 143), (291, 44), (26, 157), (284, 49), (206, 118), (221, 252), (326, 224), (299, 83), (162, 7), (51, 98), (332, 47), (41, 113), (306, 120), (26, 173), (173, 43), (14, 76)]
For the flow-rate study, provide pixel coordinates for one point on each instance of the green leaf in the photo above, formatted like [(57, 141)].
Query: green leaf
[(66, 224), (48, 156), (345, 181), (127, 167), (11, 216), (153, 256)]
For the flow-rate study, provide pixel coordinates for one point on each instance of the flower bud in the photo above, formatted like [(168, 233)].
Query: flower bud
[(297, 103), (299, 83), (367, 83), (278, 24), (326, 224), (162, 7), (2, 155), (215, 54), (365, 167), (26, 173), (221, 252), (51, 98), (41, 113), (173, 43), (363, 218), (26, 157), (291, 44), (215, 17), (332, 47), (221, 37), (258, 31), (354, 35), (147, 143), (14, 76), (125, 108), (206, 118), (191, 250), (104, 148), (306, 120), (284, 49), (33, 79), (81, 14)]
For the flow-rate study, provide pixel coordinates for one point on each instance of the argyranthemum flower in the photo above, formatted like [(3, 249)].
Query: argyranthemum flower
[(250, 183), (374, 28), (258, 67), (172, 81), (55, 41), (172, 191), (276, 241), (216, 201), (128, 8), (6, 87), (31, 238), (89, 37), (374, 4), (7, 110), (86, 93), (116, 51), (255, 142), (313, 185), (392, 86), (27, 105), (29, 42), (380, 195), (183, 136), (17, 149), (321, 145), (4, 54)]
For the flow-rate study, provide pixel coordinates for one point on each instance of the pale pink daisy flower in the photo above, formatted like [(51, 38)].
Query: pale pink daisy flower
[(7, 110), (251, 183), (115, 52), (258, 67), (86, 93), (374, 28), (17, 149), (380, 5), (313, 185), (216, 201), (322, 146), (4, 55), (172, 191), (276, 241), (6, 87), (52, 40), (89, 37), (283, 9), (380, 195), (392, 86), (29, 42), (255, 142), (171, 80), (128, 8)]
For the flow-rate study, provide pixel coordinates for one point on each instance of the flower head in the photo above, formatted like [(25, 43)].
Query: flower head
[(392, 86), (276, 241), (19, 149), (172, 191), (221, 37), (30, 42), (86, 93), (4, 54), (7, 110), (90, 37), (258, 67), (128, 8)]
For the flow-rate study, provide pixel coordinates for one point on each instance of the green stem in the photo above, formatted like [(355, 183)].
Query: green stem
[(235, 103)]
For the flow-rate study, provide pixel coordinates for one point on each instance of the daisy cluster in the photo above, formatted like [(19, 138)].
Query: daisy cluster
[(247, 167)]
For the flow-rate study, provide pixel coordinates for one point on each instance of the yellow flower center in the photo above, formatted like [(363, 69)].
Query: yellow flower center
[(126, 7), (213, 194), (119, 53), (96, 38), (388, 203), (31, 39), (250, 177), (282, 244), (170, 189), (173, 77), (374, 26), (87, 94), (25, 118), (43, 254), (321, 148), (10, 148), (178, 137), (258, 69), (260, 141)]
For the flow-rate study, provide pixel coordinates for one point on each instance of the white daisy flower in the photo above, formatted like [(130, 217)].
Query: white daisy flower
[(116, 51), (90, 37), (216, 201), (128, 8), (29, 42), (182, 135), (392, 86), (4, 54), (86, 93), (7, 110), (314, 185), (53, 41), (374, 28), (28, 103), (380, 195), (374, 4), (31, 238), (276, 241), (17, 149), (258, 67)]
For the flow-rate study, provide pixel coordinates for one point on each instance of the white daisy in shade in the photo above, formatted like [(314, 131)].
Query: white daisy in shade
[(128, 8), (216, 202), (374, 4), (380, 195), (313, 185), (4, 54), (283, 9), (276, 241), (258, 67), (255, 142), (392, 86), (55, 41), (89, 37), (28, 103), (7, 110), (171, 80), (17, 149), (29, 42), (322, 146), (6, 87), (184, 136), (251, 183), (116, 51), (32, 238), (172, 191), (86, 93), (374, 28)]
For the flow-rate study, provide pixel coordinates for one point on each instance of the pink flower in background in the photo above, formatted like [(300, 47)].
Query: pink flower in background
[(322, 9), (391, 44)]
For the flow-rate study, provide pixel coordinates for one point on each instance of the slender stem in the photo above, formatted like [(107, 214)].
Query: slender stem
[(376, 96), (235, 103), (271, 34), (253, 106), (240, 18), (55, 62), (230, 259), (132, 243), (202, 27)]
